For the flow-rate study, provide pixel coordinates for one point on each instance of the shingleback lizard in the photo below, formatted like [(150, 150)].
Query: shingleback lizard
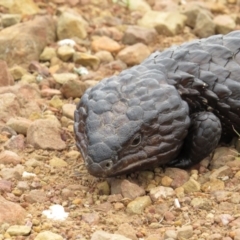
[(170, 110)]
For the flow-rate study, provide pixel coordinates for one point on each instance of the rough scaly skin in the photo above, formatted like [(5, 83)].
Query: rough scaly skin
[(172, 109)]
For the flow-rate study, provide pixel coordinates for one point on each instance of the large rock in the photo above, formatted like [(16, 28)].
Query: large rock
[(224, 24), (10, 19), (6, 78), (11, 212), (192, 11), (9, 106), (47, 235), (26, 41), (138, 5), (73, 88), (136, 34), (9, 157), (19, 230), (131, 190), (45, 134), (105, 44), (99, 234), (204, 26), (166, 23), (134, 54), (25, 7), (138, 205), (71, 24), (17, 101)]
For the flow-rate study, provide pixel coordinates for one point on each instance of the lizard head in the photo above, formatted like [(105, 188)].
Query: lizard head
[(129, 122)]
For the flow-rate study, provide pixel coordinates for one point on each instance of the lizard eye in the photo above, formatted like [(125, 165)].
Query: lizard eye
[(136, 140)]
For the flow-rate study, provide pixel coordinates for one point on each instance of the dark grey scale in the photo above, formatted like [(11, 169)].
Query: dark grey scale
[(234, 88), (165, 118), (91, 126), (96, 137), (148, 105), (216, 39), (112, 97), (154, 68), (134, 101), (106, 131), (127, 78), (194, 45), (81, 112), (186, 80), (223, 114), (156, 76), (81, 127), (231, 43), (113, 142), (98, 95), (210, 96), (137, 70), (221, 73), (126, 131), (165, 54), (127, 90), (112, 86), (150, 58), (237, 57), (149, 114), (120, 121), (144, 97), (84, 100), (198, 84), (163, 111), (150, 83), (101, 106), (135, 113), (220, 54), (120, 107), (205, 130), (174, 102), (198, 56), (167, 63), (234, 120), (190, 68), (234, 70), (209, 78), (235, 104), (233, 34), (142, 93), (107, 118), (205, 66), (179, 54), (222, 91)]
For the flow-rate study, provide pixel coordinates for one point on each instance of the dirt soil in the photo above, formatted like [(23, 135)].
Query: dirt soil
[(198, 203)]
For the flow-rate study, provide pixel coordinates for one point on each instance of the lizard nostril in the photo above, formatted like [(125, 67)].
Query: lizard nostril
[(107, 165)]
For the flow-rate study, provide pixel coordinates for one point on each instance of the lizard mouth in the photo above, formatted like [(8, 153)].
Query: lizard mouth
[(127, 164), (107, 168)]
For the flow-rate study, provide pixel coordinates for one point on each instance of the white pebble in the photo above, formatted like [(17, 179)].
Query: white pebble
[(177, 203), (28, 175), (56, 212), (226, 218), (68, 42)]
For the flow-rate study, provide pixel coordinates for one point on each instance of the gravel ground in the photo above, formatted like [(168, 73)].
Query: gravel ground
[(56, 50)]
